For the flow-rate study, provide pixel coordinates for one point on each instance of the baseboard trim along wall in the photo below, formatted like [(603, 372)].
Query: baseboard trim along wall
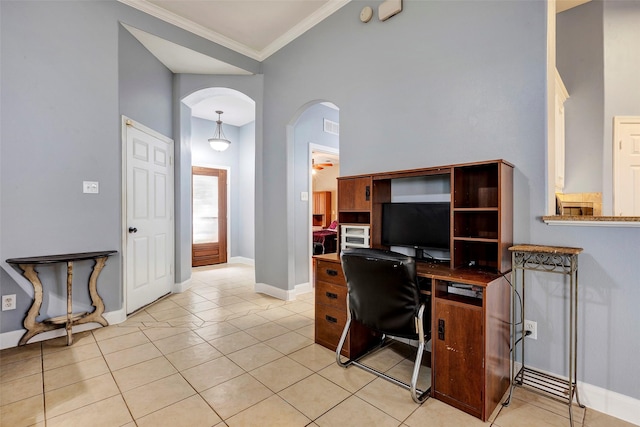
[(181, 287), (11, 339), (241, 260), (286, 295), (605, 401)]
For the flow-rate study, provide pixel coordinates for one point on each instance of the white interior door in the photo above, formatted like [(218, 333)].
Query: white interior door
[(149, 225), (626, 136)]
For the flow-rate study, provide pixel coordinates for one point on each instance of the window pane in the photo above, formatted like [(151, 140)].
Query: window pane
[(205, 209)]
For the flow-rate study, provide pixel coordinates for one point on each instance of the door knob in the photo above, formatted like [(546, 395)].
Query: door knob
[(133, 230)]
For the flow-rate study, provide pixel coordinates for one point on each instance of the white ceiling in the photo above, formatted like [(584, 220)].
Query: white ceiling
[(180, 59), (562, 5)]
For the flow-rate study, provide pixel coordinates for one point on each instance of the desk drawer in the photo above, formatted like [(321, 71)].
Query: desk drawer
[(329, 325), (331, 295), (330, 322), (330, 272)]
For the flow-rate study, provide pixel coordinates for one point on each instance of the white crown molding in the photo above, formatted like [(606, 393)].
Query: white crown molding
[(197, 29), (192, 27)]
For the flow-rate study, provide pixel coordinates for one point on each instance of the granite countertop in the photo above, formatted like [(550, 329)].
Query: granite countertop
[(613, 221), (546, 249)]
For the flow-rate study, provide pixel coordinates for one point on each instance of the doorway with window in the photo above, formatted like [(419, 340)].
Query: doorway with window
[(209, 201)]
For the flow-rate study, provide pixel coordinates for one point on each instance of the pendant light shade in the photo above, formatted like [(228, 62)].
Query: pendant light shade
[(219, 142)]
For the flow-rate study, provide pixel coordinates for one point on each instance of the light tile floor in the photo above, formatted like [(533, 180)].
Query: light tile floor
[(220, 354)]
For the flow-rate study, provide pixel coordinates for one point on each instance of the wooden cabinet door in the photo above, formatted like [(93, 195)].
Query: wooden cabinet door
[(458, 355), (319, 202), (354, 194)]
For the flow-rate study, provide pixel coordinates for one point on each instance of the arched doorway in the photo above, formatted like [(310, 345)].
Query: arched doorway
[(313, 128), (237, 163)]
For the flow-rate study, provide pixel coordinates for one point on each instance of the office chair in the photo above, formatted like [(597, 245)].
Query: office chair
[(383, 295)]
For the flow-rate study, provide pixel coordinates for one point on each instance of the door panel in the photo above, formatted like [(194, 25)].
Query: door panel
[(209, 199), (627, 167), (149, 207), (458, 354)]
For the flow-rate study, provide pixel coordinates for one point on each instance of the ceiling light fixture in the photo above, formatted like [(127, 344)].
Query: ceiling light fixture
[(219, 141)]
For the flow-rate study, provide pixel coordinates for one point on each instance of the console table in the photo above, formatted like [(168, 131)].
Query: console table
[(67, 321), (549, 259)]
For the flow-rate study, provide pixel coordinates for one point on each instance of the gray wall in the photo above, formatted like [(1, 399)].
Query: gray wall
[(580, 62), (61, 125), (598, 59), (145, 85), (244, 243), (621, 81), (450, 82), (308, 129), (69, 71)]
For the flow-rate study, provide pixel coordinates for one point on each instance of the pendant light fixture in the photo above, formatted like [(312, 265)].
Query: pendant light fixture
[(219, 142)]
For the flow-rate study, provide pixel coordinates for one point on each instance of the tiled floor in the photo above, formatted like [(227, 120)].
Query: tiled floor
[(221, 355)]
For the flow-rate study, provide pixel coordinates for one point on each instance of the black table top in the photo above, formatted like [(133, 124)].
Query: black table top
[(52, 259)]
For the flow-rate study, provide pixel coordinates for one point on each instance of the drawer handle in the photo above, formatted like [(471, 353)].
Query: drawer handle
[(441, 329), (331, 319), (332, 272), (331, 295)]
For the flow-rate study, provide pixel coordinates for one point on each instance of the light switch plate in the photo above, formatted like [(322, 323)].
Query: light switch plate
[(90, 187), (304, 196)]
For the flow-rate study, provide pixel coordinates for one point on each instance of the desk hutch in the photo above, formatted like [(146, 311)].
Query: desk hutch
[(470, 357)]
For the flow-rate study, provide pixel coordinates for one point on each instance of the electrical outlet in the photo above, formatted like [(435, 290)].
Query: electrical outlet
[(530, 325), (90, 187), (8, 302)]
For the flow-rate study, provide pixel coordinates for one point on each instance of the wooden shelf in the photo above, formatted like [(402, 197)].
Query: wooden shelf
[(475, 209), (476, 239), (481, 204), (62, 320)]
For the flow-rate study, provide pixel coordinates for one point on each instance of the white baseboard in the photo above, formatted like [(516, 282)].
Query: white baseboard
[(605, 401), (303, 288), (181, 287), (286, 295), (609, 402), (241, 260), (12, 338)]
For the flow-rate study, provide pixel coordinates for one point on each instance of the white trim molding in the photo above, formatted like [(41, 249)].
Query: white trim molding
[(178, 288), (286, 295), (610, 403), (241, 260), (602, 400), (11, 339)]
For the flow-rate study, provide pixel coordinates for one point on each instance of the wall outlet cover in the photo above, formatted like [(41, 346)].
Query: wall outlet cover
[(8, 302)]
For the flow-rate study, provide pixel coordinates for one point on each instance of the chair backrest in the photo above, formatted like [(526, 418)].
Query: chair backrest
[(383, 290)]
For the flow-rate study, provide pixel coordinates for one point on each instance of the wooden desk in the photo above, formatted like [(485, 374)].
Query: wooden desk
[(470, 336), (27, 265)]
